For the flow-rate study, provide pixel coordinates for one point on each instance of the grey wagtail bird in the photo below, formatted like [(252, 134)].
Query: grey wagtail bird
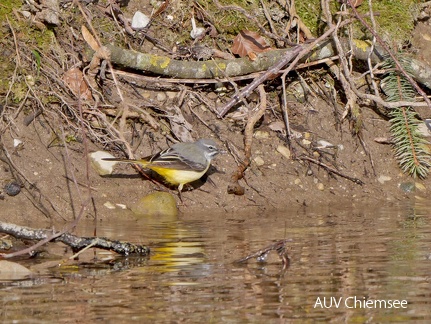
[(181, 163)]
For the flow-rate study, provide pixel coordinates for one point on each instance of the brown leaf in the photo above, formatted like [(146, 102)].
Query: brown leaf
[(91, 41), (249, 43), (76, 82), (357, 3), (162, 8)]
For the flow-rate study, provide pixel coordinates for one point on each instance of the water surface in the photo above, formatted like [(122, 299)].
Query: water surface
[(338, 255)]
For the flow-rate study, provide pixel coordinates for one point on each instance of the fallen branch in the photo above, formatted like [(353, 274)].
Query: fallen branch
[(77, 243), (211, 69), (220, 69)]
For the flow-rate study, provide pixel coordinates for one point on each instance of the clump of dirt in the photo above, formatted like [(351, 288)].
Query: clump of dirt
[(330, 157)]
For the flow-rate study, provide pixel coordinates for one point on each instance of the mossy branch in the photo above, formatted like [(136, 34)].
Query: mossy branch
[(220, 69)]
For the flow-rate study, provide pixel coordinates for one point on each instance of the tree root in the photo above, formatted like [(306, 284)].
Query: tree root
[(234, 187)]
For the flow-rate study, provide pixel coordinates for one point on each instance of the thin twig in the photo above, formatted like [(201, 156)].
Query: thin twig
[(268, 18), (373, 44), (332, 170), (17, 65)]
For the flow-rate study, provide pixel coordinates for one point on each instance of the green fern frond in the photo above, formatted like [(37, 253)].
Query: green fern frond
[(410, 148)]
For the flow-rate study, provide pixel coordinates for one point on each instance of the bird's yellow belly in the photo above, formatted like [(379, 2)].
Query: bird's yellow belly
[(177, 177)]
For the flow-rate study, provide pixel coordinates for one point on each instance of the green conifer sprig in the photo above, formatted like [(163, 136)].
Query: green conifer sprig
[(410, 147)]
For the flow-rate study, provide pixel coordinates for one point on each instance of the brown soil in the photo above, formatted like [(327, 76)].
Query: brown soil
[(272, 181)]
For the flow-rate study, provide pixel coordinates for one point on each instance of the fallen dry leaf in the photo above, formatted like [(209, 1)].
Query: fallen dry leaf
[(74, 79), (91, 41), (249, 43), (357, 3)]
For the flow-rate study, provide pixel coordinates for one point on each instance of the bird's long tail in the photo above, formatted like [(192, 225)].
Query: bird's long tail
[(140, 162)]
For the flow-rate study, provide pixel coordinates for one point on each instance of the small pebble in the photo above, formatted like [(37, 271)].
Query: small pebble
[(382, 179), (306, 142), (261, 135), (30, 79), (121, 206), (109, 205), (16, 142), (212, 95), (284, 150), (140, 20), (161, 96), (419, 186), (324, 144), (407, 187), (12, 188), (259, 161), (26, 14)]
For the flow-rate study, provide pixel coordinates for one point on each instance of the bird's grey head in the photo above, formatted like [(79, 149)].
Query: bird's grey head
[(209, 147)]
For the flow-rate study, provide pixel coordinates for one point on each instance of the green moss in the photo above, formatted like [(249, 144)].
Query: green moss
[(28, 38), (6, 52), (310, 12), (7, 6), (395, 18), (233, 21), (19, 90)]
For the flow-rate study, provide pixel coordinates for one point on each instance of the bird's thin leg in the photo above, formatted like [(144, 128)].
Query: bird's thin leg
[(181, 198), (180, 187)]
